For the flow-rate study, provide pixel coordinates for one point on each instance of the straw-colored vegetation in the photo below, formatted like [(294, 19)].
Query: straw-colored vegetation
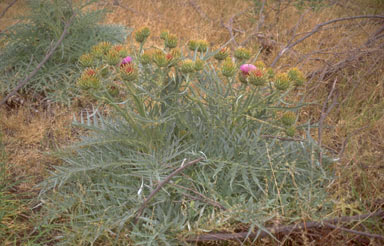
[(343, 64)]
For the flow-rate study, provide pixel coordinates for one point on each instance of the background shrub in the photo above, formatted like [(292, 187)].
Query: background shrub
[(27, 42)]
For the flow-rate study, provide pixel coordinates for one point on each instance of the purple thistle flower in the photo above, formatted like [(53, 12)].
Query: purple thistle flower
[(126, 60), (247, 68)]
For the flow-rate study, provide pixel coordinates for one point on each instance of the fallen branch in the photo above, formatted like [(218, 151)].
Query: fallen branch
[(45, 59), (354, 231), (7, 8), (164, 182), (223, 236), (318, 28)]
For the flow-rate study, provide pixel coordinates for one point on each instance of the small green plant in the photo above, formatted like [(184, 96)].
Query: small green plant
[(27, 43), (178, 105)]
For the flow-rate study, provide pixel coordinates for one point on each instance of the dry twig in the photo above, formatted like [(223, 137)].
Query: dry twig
[(326, 109), (317, 28), (161, 184), (230, 27), (200, 197), (199, 11)]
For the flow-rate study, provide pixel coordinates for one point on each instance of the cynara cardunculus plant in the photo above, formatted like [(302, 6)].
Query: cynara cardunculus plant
[(169, 107)]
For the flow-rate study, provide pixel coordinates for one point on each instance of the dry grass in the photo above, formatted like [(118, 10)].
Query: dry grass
[(29, 133), (355, 126)]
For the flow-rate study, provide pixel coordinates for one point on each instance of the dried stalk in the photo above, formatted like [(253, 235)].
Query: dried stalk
[(224, 236), (161, 184)]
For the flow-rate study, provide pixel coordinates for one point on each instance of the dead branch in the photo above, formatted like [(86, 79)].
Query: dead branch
[(197, 8), (344, 145), (354, 231), (354, 55), (375, 36), (230, 27), (317, 28), (161, 184), (7, 8), (45, 59), (224, 236), (326, 109), (200, 197)]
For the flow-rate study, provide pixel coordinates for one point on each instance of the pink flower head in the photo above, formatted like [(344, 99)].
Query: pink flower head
[(247, 68), (126, 60)]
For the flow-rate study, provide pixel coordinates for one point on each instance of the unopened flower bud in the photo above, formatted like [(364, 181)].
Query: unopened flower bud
[(290, 131), (121, 50), (228, 68), (146, 57), (171, 41), (242, 53), (256, 77), (128, 72), (282, 82), (105, 46), (142, 34), (296, 77), (187, 66), (164, 35), (203, 45), (88, 80), (160, 59), (199, 65), (288, 118), (112, 57), (87, 60), (176, 53), (222, 54), (97, 51), (193, 45)]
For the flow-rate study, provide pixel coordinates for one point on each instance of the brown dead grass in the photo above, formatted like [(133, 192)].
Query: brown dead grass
[(29, 134)]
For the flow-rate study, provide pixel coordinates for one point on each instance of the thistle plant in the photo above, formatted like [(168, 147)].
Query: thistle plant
[(165, 114)]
